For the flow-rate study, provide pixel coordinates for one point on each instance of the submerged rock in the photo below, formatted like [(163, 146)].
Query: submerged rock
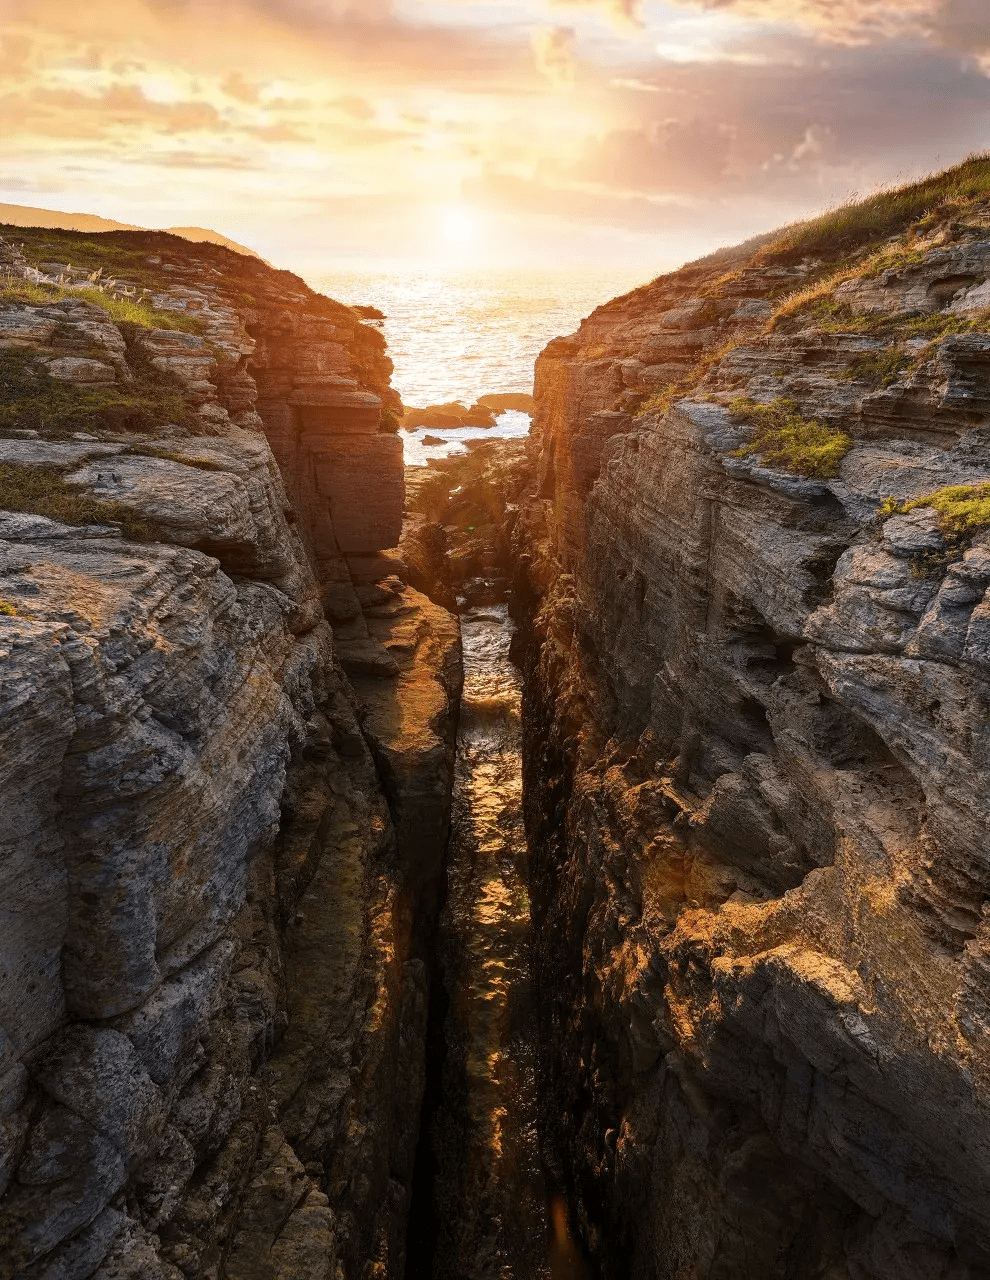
[(447, 416), (501, 400)]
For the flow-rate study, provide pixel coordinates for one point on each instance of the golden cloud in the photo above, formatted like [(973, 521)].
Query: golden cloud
[(860, 21), (553, 50)]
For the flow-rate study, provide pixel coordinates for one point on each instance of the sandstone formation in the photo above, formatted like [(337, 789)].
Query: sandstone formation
[(220, 864), (756, 759), (754, 722)]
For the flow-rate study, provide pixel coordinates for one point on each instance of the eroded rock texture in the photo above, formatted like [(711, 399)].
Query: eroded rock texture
[(756, 735), (219, 860)]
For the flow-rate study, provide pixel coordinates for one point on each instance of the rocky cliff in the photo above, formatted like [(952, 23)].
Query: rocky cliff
[(223, 824), (752, 578)]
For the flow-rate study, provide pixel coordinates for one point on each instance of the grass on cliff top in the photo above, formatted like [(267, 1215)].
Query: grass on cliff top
[(121, 310), (99, 251), (31, 399), (963, 509), (819, 291), (43, 491), (881, 215), (788, 442)]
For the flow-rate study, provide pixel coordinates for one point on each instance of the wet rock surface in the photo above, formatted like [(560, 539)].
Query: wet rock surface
[(754, 747), (483, 1206)]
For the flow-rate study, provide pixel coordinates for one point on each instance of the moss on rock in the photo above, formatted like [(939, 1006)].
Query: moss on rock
[(788, 442)]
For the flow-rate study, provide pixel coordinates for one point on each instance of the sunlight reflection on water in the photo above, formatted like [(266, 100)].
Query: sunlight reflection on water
[(458, 335), (490, 1194)]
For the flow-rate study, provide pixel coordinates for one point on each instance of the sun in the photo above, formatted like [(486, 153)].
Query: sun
[(459, 226)]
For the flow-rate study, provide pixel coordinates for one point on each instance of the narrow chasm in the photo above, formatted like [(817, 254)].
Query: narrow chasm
[(483, 1206), (488, 1194)]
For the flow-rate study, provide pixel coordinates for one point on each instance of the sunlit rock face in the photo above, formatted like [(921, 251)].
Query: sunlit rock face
[(218, 865), (756, 753)]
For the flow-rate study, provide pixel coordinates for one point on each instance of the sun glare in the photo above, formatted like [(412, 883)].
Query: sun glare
[(459, 226)]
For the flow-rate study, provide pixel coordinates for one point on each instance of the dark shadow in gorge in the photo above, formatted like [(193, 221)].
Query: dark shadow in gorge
[(481, 1207), (423, 1230)]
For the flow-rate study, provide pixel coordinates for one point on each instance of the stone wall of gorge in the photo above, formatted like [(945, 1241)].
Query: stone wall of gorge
[(756, 759), (224, 825)]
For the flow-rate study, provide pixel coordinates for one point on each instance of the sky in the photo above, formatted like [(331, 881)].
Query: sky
[(482, 133)]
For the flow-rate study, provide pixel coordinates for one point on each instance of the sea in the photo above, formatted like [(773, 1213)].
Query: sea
[(458, 335)]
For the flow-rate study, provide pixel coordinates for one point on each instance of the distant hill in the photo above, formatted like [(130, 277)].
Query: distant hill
[(201, 234), (22, 215)]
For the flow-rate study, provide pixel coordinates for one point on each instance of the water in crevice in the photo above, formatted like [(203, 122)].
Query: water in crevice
[(481, 1208)]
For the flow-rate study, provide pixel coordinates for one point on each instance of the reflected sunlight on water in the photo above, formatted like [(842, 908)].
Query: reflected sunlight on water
[(458, 335), (490, 1195)]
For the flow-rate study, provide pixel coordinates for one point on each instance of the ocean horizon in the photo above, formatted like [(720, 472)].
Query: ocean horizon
[(455, 334)]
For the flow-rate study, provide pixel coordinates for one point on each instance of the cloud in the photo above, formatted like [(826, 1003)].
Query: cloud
[(15, 54), (317, 39), (959, 25), (801, 131), (561, 107), (622, 12), (56, 111), (536, 195), (208, 160), (844, 21), (964, 25), (358, 108), (235, 86), (670, 155), (553, 50)]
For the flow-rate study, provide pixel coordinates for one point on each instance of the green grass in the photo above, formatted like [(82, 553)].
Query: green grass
[(31, 399), (786, 441), (91, 252), (660, 401), (885, 213), (7, 609), (818, 292), (831, 316), (942, 325), (879, 368), (44, 492), (835, 317), (963, 509), (121, 310)]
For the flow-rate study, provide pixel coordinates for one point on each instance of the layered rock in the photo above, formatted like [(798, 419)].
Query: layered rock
[(755, 747), (221, 861)]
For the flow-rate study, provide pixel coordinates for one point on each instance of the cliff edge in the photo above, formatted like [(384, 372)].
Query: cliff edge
[(224, 824), (753, 577)]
